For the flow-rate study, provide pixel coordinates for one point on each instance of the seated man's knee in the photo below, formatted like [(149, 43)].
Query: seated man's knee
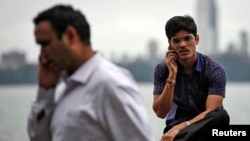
[(219, 116)]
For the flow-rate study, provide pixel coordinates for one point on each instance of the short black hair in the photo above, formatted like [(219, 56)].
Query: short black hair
[(61, 16), (178, 23)]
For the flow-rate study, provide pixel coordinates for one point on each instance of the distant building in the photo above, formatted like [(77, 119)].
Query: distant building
[(232, 50), (207, 24), (244, 47), (153, 51), (12, 60)]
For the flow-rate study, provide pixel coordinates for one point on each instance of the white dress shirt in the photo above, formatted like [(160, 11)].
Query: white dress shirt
[(99, 102)]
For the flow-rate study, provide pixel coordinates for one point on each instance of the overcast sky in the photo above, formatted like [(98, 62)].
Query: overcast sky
[(117, 26)]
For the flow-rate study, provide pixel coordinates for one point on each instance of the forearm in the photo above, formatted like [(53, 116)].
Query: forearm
[(198, 117), (201, 115), (163, 102)]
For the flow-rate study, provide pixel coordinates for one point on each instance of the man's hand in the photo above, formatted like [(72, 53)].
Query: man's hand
[(171, 134), (170, 60), (48, 74)]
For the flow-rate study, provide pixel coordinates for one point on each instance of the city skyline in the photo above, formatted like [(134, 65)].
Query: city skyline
[(119, 26)]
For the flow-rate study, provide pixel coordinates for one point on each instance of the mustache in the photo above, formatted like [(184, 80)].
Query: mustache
[(182, 49)]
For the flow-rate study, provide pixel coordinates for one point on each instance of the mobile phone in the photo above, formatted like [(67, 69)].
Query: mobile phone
[(170, 47)]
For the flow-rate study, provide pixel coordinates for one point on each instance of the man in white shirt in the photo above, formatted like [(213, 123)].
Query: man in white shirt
[(81, 95)]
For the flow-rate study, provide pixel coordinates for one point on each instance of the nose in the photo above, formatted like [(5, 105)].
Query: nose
[(182, 43)]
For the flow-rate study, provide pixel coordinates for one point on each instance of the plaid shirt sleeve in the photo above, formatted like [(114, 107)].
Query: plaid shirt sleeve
[(160, 74), (217, 81)]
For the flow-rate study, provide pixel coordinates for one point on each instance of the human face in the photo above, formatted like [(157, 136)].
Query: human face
[(184, 44), (53, 49)]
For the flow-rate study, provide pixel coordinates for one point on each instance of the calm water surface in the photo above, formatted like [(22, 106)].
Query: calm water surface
[(15, 102)]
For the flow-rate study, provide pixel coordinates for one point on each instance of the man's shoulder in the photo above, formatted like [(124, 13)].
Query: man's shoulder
[(110, 71), (161, 65), (211, 65), (113, 77), (208, 60)]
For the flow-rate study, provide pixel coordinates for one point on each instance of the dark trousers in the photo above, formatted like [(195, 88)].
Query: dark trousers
[(200, 130)]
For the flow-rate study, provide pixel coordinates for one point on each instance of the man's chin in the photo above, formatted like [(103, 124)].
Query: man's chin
[(184, 57)]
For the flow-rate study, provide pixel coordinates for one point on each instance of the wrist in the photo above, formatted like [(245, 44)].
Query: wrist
[(172, 82), (171, 76)]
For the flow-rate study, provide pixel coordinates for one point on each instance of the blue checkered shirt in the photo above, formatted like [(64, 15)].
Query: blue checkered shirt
[(191, 91)]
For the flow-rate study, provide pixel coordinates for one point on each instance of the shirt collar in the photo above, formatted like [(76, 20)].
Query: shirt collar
[(198, 65), (84, 72)]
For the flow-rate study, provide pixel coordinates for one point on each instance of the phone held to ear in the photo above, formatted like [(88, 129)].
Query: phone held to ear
[(170, 47)]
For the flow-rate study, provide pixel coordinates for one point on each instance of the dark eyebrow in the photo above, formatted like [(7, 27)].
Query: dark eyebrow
[(188, 36), (175, 39)]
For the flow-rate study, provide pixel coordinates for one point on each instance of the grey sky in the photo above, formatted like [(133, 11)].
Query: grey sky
[(117, 26)]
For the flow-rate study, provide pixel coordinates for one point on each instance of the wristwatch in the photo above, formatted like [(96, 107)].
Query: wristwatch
[(187, 123)]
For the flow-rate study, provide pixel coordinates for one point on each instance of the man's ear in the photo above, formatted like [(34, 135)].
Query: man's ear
[(197, 39), (70, 36)]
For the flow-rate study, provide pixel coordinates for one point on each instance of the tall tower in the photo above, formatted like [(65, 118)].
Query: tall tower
[(152, 51), (244, 43), (207, 24)]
